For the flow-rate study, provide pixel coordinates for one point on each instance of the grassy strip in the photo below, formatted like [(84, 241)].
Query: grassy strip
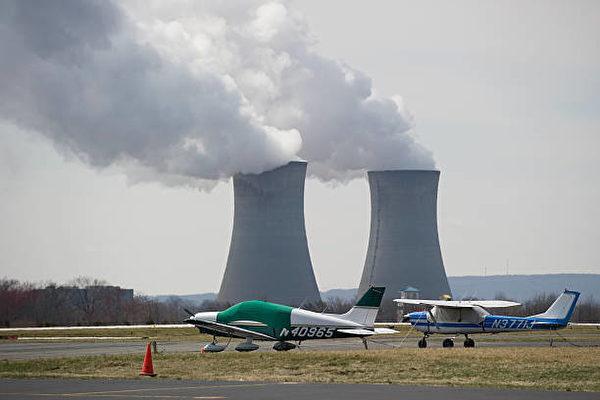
[(533, 368), (164, 334)]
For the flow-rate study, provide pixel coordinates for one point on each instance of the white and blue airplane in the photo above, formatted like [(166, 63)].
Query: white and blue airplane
[(471, 316)]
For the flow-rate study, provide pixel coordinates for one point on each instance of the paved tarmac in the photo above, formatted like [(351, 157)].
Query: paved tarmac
[(27, 389), (22, 350), (29, 349)]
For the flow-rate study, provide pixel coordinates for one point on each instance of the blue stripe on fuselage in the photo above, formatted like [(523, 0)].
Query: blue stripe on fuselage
[(420, 319), (447, 324)]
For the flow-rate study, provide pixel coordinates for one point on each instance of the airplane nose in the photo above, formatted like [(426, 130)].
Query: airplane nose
[(205, 316)]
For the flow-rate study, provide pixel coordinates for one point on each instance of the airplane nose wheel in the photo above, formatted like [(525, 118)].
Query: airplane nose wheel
[(448, 343), (469, 342), (422, 343)]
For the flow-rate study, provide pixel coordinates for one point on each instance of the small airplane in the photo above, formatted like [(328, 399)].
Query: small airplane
[(261, 320), (468, 317)]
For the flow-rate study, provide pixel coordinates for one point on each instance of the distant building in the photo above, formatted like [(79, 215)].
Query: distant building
[(410, 292), (89, 305), (75, 294)]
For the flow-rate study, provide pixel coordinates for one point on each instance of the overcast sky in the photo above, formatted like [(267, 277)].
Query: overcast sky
[(505, 94)]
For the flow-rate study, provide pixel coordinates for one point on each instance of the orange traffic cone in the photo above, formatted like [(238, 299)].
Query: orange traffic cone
[(147, 368)]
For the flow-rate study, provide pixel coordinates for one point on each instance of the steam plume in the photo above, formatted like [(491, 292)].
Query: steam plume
[(191, 91)]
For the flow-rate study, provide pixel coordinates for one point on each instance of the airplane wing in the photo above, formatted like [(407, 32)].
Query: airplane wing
[(460, 303), (230, 329)]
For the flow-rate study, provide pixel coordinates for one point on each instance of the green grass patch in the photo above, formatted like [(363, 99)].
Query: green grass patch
[(534, 368)]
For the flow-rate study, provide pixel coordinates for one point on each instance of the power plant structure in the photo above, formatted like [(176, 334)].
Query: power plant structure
[(268, 255), (404, 249)]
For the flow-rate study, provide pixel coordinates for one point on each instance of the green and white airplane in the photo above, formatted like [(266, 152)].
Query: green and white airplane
[(261, 320)]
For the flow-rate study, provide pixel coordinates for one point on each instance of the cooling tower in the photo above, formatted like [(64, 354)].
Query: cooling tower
[(404, 249), (268, 255)]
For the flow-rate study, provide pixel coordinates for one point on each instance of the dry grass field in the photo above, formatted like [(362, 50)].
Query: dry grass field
[(566, 368)]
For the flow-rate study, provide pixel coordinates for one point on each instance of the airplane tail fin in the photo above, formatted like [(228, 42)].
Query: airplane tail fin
[(561, 310), (366, 309)]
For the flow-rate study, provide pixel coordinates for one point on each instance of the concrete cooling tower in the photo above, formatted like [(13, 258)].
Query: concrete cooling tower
[(268, 255), (404, 249)]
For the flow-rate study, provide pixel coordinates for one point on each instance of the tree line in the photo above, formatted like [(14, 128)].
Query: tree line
[(81, 302), (85, 301)]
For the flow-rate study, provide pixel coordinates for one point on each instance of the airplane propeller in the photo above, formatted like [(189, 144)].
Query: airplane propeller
[(433, 318), (189, 312)]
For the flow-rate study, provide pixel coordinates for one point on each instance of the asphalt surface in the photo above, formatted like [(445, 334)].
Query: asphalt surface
[(23, 350), (170, 389)]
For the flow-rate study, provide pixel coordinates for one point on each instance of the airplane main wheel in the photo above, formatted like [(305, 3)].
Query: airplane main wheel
[(469, 343), (448, 343), (422, 343), (283, 346)]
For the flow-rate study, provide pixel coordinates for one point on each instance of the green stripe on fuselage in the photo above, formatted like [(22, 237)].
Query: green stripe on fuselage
[(275, 316)]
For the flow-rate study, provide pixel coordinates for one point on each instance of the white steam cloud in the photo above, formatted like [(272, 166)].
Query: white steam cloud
[(192, 91)]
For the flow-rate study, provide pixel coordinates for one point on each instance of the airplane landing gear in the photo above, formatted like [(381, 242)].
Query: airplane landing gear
[(283, 346), (364, 340), (423, 342), (214, 347), (246, 346), (448, 343), (469, 342)]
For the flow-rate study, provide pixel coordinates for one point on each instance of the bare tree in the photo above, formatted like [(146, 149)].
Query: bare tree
[(87, 301)]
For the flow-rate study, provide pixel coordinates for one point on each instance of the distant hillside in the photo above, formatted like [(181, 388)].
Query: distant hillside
[(346, 294), (524, 287), (515, 287)]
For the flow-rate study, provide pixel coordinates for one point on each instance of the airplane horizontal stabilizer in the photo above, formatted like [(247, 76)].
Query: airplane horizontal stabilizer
[(385, 331), (367, 332), (357, 332)]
